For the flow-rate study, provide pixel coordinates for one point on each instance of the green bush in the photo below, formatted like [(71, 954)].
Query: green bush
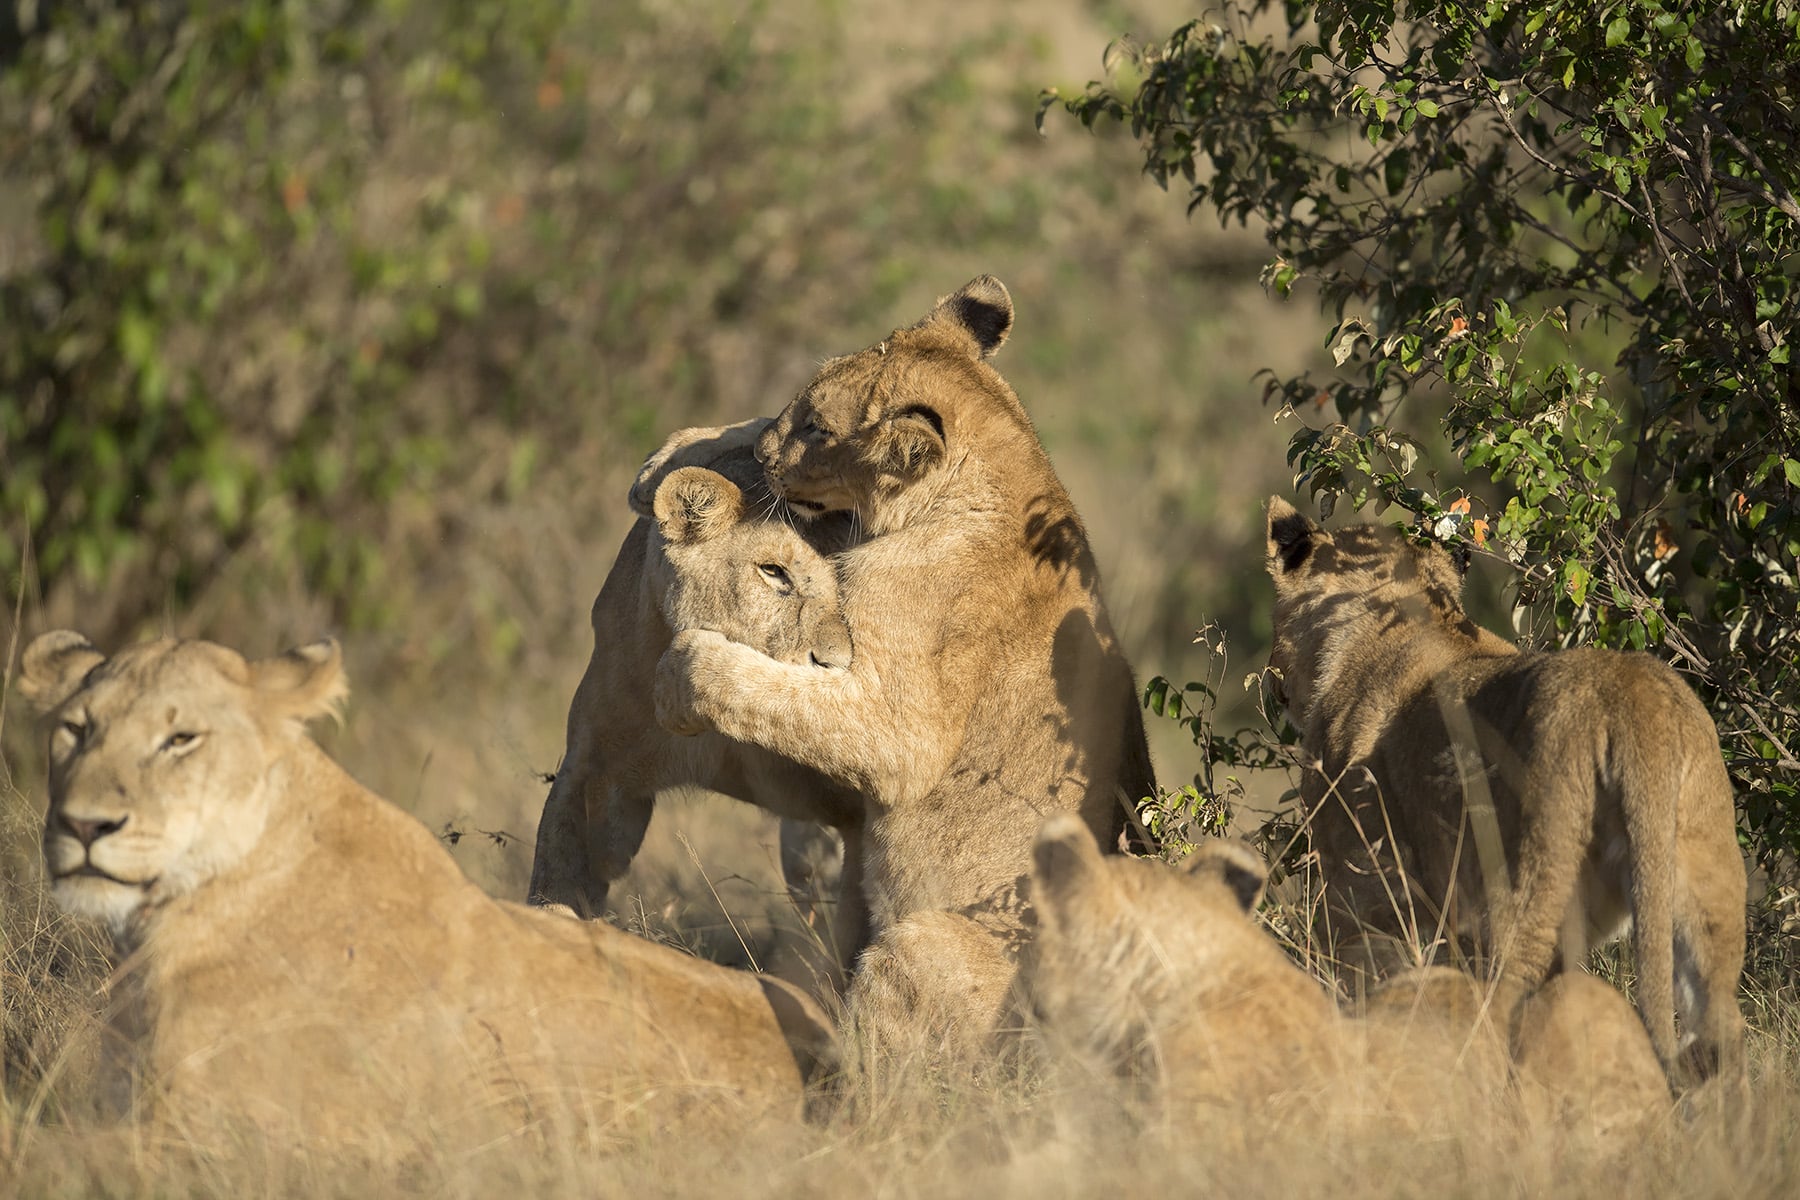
[(310, 278), (1565, 235)]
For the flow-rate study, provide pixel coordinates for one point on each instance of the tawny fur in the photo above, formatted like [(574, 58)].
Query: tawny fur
[(1584, 1065), (934, 992), (1162, 977), (676, 572), (1430, 1052), (300, 956), (1519, 805), (987, 689)]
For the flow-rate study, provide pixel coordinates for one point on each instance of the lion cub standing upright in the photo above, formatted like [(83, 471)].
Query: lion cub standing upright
[(987, 688), (1524, 802)]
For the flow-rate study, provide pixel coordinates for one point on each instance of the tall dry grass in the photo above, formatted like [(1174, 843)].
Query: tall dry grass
[(891, 1129), (1011, 1131), (1137, 338)]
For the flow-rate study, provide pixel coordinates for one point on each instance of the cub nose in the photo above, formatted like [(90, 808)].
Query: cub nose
[(89, 832), (765, 446)]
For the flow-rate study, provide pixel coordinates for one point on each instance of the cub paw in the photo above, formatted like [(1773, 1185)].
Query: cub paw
[(677, 699)]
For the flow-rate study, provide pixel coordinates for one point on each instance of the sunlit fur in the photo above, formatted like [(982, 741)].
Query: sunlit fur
[(1162, 976), (301, 957), (1161, 979), (180, 749), (1473, 799), (988, 688), (712, 551)]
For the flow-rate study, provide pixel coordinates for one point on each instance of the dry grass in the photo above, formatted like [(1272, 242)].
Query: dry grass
[(1137, 339), (901, 1130), (1013, 1136)]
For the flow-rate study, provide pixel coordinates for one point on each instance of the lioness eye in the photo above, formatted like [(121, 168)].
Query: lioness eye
[(776, 574), (72, 731), (180, 740)]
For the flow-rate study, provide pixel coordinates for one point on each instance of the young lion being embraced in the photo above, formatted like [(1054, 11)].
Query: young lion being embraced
[(712, 551), (1525, 804), (987, 688)]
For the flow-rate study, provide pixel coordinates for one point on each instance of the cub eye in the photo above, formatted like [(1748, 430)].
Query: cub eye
[(811, 429), (180, 740), (776, 574)]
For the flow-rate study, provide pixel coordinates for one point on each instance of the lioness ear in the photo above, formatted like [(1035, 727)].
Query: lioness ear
[(1063, 858), (911, 442), (702, 446), (694, 504), (1241, 869), (306, 682), (53, 667), (983, 309), (1291, 537)]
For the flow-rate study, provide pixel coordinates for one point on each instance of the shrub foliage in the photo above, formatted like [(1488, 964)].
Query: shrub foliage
[(1566, 235), (314, 278)]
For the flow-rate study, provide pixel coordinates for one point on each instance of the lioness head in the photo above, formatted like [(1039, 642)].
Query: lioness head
[(1124, 944), (163, 761), (873, 424), (1333, 588), (742, 574)]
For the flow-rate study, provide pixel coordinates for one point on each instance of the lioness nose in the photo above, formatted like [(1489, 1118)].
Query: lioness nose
[(89, 832), (831, 649)]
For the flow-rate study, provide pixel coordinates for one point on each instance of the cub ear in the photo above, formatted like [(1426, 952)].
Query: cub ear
[(1292, 537), (1063, 859), (912, 442), (702, 446), (53, 666), (306, 682), (695, 503), (1241, 869), (983, 309)]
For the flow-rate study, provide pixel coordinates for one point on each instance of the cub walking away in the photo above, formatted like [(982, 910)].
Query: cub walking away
[(1529, 805)]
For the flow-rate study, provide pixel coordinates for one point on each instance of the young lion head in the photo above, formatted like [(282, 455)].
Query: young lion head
[(1332, 589), (164, 760), (872, 425), (728, 566), (1162, 972)]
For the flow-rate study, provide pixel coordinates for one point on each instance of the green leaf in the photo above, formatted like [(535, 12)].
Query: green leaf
[(1791, 468), (1696, 53), (1617, 31), (1427, 108)]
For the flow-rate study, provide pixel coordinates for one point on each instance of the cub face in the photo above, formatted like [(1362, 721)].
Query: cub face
[(876, 423), (161, 761), (727, 566)]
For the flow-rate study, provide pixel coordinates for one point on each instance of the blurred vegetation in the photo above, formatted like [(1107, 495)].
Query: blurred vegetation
[(299, 267), (1561, 238), (321, 316)]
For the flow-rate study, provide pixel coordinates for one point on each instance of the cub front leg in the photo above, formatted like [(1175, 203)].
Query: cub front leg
[(890, 745)]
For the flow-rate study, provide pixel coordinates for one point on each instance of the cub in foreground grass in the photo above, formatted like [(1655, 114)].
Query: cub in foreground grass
[(302, 958), (712, 551), (1527, 805), (1162, 979)]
